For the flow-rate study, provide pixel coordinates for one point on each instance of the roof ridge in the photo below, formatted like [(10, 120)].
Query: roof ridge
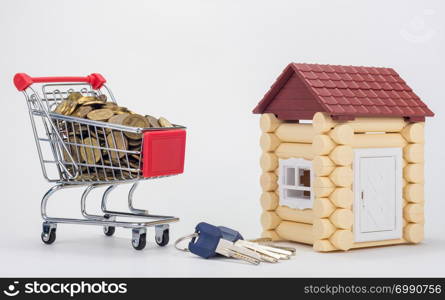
[(332, 65)]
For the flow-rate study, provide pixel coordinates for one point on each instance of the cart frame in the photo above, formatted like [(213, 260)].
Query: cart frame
[(57, 131)]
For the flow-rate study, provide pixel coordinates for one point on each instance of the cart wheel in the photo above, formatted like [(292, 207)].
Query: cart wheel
[(49, 238), (109, 230), (163, 239), (139, 245)]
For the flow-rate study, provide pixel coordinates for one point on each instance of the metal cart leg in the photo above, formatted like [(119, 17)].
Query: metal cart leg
[(108, 220), (130, 201), (138, 214), (83, 208)]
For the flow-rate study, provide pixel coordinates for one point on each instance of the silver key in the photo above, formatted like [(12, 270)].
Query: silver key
[(290, 249), (229, 249), (270, 243), (268, 253)]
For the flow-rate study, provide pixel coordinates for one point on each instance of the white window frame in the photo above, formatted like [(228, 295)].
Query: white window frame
[(385, 234), (295, 202)]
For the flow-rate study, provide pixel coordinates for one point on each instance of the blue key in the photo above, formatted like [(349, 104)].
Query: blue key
[(207, 241), (230, 234), (212, 241)]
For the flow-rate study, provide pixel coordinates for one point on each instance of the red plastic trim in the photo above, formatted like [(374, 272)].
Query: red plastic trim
[(22, 80), (163, 152)]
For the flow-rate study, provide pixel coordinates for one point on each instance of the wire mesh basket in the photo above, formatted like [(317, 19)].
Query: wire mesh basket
[(76, 151)]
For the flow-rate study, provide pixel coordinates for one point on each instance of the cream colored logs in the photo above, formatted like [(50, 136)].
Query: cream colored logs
[(269, 142), (269, 122), (414, 192), (342, 176), (295, 133), (342, 218), (342, 197), (322, 165), (414, 153), (332, 167), (269, 182), (323, 228), (322, 208), (322, 122), (270, 220), (323, 246), (268, 162), (378, 140), (269, 201), (414, 213), (414, 133), (288, 150), (323, 187), (270, 234), (297, 232), (342, 239), (413, 233), (295, 215), (377, 124), (413, 173), (322, 144)]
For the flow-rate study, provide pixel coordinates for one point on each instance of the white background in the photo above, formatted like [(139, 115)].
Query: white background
[(204, 64)]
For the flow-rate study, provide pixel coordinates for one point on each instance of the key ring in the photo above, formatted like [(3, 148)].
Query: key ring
[(187, 237)]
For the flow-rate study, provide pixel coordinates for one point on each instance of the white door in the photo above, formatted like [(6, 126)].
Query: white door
[(378, 194)]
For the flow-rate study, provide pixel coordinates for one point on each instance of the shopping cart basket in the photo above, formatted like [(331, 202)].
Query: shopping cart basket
[(61, 144)]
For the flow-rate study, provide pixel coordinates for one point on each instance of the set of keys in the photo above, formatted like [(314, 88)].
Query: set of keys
[(210, 241)]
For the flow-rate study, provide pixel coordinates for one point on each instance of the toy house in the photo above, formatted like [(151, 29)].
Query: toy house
[(342, 162)]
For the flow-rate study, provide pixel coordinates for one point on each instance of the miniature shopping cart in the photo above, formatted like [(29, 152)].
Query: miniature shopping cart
[(161, 154)]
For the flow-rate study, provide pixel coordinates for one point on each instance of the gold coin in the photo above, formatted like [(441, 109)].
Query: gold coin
[(118, 119), (134, 143), (100, 114), (78, 129), (74, 96), (93, 102), (164, 122), (62, 107), (131, 164), (117, 141), (123, 109), (73, 150), (110, 105), (135, 121), (71, 107), (82, 111), (88, 153), (153, 121), (134, 164), (85, 99), (136, 156), (118, 112)]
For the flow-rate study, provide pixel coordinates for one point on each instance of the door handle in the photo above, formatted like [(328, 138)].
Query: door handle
[(362, 196)]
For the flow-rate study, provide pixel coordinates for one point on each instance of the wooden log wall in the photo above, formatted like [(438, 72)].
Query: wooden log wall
[(333, 215), (333, 147), (329, 144), (281, 140)]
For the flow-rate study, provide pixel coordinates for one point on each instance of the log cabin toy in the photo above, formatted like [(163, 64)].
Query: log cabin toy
[(343, 154)]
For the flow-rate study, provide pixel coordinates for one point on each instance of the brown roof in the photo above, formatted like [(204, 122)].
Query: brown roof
[(345, 92)]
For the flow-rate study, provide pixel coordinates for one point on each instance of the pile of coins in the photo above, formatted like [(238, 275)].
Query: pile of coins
[(101, 151)]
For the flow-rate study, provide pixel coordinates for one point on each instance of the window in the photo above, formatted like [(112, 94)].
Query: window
[(295, 183)]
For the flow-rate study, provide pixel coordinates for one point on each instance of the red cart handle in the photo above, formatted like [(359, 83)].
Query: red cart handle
[(22, 80)]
